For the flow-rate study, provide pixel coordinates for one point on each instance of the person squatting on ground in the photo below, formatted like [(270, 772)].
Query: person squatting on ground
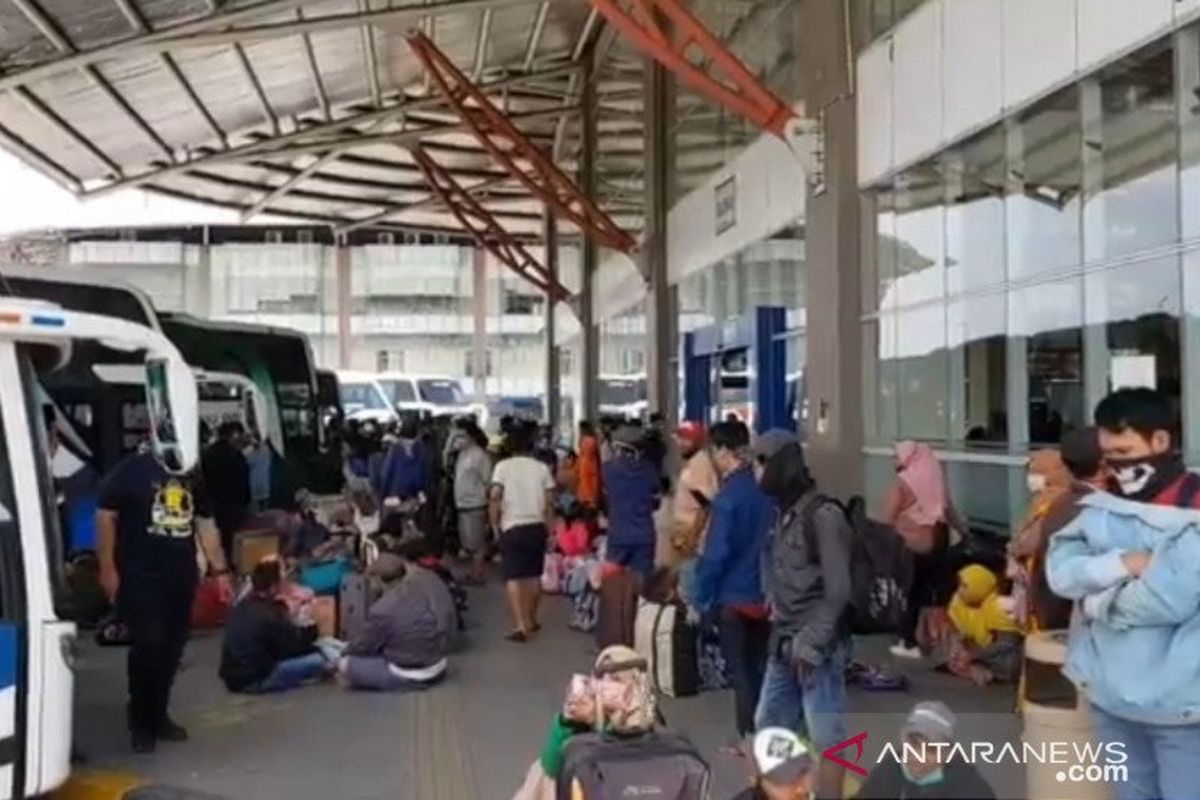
[(729, 576), (472, 478), (521, 509), (924, 769), (410, 630), (148, 522), (807, 579), (632, 490), (264, 651)]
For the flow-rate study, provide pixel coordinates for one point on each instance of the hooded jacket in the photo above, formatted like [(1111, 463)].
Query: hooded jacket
[(1135, 648), (413, 625), (807, 560)]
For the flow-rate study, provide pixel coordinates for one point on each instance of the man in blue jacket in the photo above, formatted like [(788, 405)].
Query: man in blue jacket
[(728, 575), (1134, 649), (632, 491)]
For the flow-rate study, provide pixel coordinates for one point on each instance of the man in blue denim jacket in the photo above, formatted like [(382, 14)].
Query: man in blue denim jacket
[(1134, 571)]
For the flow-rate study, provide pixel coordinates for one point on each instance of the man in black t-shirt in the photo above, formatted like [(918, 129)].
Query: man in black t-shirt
[(147, 527)]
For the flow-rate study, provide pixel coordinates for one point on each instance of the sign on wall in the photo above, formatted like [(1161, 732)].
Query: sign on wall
[(725, 194)]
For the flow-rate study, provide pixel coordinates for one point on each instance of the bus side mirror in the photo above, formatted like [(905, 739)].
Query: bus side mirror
[(173, 409)]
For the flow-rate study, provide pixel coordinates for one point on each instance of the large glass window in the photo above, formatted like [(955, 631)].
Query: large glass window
[(975, 213), (885, 249), (1130, 158), (889, 379), (1138, 308), (978, 370), (1045, 178), (1047, 320), (921, 347), (920, 234)]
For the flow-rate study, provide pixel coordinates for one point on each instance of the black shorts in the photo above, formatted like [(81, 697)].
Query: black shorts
[(523, 552)]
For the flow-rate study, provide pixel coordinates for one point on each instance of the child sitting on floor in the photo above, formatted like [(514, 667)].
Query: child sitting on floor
[(988, 639)]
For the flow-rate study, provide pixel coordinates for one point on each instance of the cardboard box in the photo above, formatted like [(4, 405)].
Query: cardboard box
[(251, 547)]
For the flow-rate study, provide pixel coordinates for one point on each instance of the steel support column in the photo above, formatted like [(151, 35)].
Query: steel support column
[(660, 313), (345, 297), (479, 333), (590, 363), (553, 376)]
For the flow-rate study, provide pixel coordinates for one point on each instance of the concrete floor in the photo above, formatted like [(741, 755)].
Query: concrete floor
[(472, 737)]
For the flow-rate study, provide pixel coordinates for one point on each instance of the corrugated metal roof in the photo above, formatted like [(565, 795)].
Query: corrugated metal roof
[(286, 107)]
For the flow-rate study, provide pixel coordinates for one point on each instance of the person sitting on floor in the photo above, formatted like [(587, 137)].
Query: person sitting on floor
[(410, 630), (988, 646), (264, 651)]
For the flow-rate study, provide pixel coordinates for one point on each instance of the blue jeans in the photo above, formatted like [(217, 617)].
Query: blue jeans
[(294, 672), (816, 706), (1162, 759), (636, 557)]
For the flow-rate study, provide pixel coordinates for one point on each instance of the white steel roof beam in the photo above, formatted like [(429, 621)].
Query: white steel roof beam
[(370, 57)]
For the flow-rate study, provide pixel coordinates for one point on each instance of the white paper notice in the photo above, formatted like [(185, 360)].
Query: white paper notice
[(1133, 371)]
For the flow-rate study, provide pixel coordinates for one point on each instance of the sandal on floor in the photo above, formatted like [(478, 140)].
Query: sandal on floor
[(520, 637)]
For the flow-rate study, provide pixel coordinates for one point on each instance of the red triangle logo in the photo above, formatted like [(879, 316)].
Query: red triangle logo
[(857, 742)]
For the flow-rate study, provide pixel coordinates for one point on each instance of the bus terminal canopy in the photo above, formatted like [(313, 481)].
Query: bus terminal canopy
[(311, 109)]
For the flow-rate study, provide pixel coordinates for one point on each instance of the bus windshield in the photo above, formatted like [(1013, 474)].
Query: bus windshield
[(441, 392)]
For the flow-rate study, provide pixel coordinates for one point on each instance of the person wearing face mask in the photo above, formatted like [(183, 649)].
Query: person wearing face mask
[(924, 770), (1048, 480), (1136, 431), (1081, 456)]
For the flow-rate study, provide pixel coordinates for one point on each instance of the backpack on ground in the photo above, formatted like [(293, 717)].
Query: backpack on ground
[(618, 607), (669, 643), (354, 600), (880, 567), (658, 764)]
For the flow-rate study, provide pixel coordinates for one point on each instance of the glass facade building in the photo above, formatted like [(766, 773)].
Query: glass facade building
[(1017, 276)]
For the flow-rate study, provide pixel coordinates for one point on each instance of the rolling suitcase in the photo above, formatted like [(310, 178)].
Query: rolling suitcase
[(669, 643), (618, 608)]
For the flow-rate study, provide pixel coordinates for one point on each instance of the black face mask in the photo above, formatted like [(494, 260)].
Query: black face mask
[(1143, 479)]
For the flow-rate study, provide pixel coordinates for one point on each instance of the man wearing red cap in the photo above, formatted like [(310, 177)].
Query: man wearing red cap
[(697, 486)]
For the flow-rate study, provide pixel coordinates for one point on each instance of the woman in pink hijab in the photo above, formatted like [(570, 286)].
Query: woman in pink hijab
[(918, 506)]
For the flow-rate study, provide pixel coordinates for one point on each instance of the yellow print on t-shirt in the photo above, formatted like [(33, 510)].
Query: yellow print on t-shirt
[(172, 511)]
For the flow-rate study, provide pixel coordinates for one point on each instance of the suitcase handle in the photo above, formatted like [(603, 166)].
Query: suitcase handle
[(622, 666)]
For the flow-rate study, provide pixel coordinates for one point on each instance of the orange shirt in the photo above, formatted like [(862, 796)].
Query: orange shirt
[(589, 471)]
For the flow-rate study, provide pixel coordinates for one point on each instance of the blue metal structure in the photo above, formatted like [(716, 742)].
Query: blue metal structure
[(759, 335)]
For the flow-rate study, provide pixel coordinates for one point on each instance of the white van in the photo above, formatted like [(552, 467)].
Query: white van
[(430, 395), (363, 399)]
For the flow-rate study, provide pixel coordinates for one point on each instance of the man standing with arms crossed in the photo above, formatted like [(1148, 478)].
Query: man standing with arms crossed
[(147, 526)]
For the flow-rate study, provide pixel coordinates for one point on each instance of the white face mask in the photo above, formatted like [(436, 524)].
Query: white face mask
[(1036, 482), (1133, 478)]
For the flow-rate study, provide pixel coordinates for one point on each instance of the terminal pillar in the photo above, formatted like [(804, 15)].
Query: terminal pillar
[(661, 319), (345, 294), (823, 71), (553, 378), (479, 333), (590, 256)]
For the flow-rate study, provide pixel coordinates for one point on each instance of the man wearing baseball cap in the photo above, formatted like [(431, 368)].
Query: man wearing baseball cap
[(783, 767), (925, 772)]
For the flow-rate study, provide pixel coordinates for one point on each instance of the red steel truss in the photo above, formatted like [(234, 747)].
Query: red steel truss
[(487, 231), (666, 30), (513, 150)]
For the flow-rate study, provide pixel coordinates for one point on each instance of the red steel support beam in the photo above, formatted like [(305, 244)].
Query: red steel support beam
[(513, 150), (666, 31), (490, 235)]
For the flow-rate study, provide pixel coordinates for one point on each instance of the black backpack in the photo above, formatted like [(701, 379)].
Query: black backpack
[(880, 568)]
